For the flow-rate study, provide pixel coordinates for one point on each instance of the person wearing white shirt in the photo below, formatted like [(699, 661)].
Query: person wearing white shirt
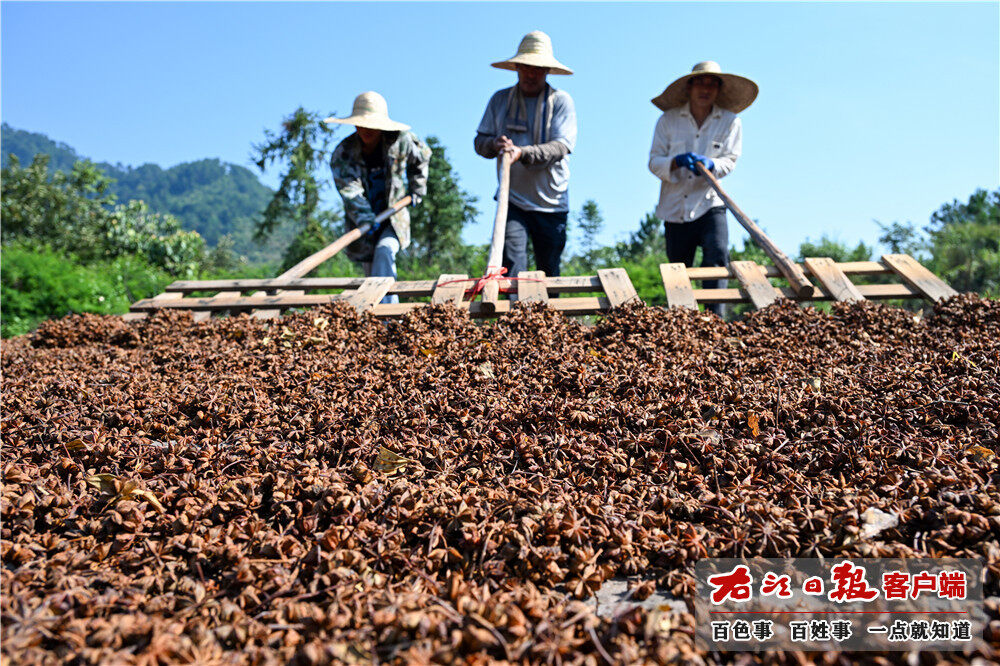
[(699, 125)]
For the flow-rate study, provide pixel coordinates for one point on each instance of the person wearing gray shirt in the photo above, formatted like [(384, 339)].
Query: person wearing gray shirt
[(536, 124)]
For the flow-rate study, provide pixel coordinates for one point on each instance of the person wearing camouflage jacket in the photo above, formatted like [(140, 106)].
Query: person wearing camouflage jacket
[(368, 169)]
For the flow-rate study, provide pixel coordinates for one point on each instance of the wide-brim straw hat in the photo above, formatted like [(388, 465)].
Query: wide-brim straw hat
[(736, 94), (535, 50), (371, 111)]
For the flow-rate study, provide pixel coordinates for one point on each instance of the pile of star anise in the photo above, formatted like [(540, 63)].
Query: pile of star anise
[(329, 488)]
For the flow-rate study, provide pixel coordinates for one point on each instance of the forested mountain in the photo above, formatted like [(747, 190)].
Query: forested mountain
[(211, 197)]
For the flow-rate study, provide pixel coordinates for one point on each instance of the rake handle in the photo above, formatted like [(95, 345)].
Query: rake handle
[(305, 266), (789, 269), (491, 289)]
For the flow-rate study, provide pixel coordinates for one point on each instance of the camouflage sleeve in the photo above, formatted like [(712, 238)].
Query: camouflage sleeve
[(418, 162), (347, 178)]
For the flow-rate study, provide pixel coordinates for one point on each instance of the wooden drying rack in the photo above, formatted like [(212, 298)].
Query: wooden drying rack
[(610, 288)]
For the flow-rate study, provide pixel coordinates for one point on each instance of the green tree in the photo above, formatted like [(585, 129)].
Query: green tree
[(648, 240), (209, 196), (839, 252), (901, 238), (590, 222), (62, 209), (961, 244), (37, 283), (309, 241), (591, 256), (75, 214), (302, 147), (436, 224)]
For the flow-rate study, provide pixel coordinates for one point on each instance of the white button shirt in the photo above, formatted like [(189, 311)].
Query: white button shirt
[(684, 196)]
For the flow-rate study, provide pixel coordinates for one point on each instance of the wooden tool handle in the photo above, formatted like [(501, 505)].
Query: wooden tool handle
[(789, 269), (303, 268), (491, 290)]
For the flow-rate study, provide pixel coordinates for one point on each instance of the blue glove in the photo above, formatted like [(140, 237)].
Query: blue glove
[(685, 160), (373, 230), (696, 158), (415, 199)]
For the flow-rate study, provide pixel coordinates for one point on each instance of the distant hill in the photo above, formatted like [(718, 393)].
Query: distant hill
[(209, 196)]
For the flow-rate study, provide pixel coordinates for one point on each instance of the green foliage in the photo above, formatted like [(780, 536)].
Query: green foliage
[(25, 145), (961, 245), (436, 224), (647, 240), (208, 196), (57, 209), (222, 258), (901, 238), (828, 247), (749, 252), (644, 272), (75, 214), (310, 240), (966, 255), (301, 147), (590, 222), (983, 208), (38, 283)]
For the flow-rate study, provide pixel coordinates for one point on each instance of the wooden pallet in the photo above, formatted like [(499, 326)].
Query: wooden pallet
[(610, 288), (833, 279)]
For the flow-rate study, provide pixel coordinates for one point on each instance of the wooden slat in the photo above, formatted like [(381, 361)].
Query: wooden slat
[(370, 292), (188, 286), (202, 315), (531, 287), (450, 293), (167, 295), (918, 277), (883, 291), (565, 284), (869, 291), (678, 286), (832, 280), (241, 302), (754, 281), (793, 272), (617, 286), (847, 267), (573, 284), (580, 305)]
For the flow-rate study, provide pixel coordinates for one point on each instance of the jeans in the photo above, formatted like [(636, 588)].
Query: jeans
[(548, 239), (383, 263), (711, 232)]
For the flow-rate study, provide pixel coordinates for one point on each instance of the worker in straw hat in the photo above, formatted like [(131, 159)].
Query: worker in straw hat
[(698, 125), (368, 169), (536, 124)]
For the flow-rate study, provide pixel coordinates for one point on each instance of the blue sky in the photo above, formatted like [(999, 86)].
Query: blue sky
[(866, 111)]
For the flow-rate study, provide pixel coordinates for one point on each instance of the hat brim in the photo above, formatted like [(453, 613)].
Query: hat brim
[(736, 94), (370, 122), (535, 60)]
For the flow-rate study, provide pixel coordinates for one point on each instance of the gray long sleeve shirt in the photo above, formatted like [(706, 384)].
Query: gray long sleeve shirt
[(539, 181)]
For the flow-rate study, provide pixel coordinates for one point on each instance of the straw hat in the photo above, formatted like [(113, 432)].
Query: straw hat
[(736, 94), (371, 111), (536, 50)]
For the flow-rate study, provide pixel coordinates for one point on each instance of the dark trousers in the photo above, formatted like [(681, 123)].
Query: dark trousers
[(711, 232), (548, 239)]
